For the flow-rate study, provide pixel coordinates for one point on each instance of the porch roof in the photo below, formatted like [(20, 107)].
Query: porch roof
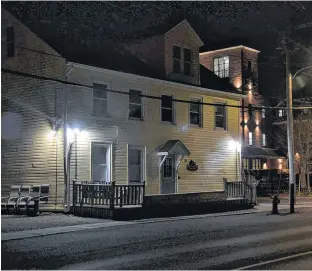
[(174, 147), (254, 152)]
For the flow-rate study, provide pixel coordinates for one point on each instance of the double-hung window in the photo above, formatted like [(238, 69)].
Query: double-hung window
[(263, 140), (135, 164), (196, 112), (101, 164), (221, 66), (167, 108), (135, 104), (99, 99), (176, 54), (220, 116), (187, 61)]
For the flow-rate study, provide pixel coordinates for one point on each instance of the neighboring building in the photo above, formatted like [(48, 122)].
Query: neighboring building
[(239, 66), (114, 133), (30, 109)]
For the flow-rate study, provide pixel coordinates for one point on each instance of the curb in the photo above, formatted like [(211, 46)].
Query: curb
[(275, 261)]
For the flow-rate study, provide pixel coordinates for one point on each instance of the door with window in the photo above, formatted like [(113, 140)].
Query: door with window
[(168, 178)]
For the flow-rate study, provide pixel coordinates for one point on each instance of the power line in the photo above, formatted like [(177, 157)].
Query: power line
[(255, 108)]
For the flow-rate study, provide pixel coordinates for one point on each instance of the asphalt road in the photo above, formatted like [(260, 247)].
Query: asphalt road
[(225, 242)]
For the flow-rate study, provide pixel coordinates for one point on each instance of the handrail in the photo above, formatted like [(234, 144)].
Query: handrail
[(240, 189)]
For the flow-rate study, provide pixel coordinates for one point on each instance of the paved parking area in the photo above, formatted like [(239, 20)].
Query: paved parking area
[(12, 223)]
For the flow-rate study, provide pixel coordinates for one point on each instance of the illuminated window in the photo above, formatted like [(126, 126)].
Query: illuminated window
[(250, 138), (99, 99), (280, 112), (263, 140), (263, 113), (221, 66)]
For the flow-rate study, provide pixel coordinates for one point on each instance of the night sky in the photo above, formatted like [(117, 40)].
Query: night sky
[(219, 24)]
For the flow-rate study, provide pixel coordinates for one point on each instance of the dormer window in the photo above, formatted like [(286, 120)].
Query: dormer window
[(187, 61), (221, 66), (176, 53)]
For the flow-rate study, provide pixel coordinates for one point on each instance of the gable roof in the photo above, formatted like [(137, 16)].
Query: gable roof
[(187, 24), (174, 147)]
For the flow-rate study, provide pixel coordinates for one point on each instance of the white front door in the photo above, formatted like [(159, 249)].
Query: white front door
[(168, 176)]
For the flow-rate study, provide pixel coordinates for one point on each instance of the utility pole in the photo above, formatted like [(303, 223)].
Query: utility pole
[(290, 131)]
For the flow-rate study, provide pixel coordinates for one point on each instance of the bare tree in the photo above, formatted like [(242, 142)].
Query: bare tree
[(302, 145)]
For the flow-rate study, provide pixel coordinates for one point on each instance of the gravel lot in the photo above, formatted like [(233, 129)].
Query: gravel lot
[(11, 223)]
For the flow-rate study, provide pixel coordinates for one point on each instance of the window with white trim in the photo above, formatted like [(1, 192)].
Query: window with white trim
[(280, 112), (187, 61), (101, 162), (221, 66), (135, 164), (220, 116), (167, 108), (99, 99), (250, 138), (196, 111), (264, 140), (176, 55), (135, 104)]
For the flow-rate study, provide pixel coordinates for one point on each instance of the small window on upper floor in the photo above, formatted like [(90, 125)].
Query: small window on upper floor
[(10, 41), (221, 66), (250, 138), (220, 116), (135, 104), (166, 108), (99, 99), (176, 54), (196, 112), (280, 112), (263, 113), (187, 61), (263, 140)]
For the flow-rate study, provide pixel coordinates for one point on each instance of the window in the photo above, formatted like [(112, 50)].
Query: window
[(250, 138), (280, 112), (176, 52), (166, 108), (220, 116), (135, 104), (263, 113), (221, 66), (263, 139), (249, 66), (10, 41), (187, 61), (100, 156), (99, 99), (196, 112), (167, 170), (135, 164)]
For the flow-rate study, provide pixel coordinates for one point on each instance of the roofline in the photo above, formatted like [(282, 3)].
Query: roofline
[(212, 91), (191, 28), (234, 47)]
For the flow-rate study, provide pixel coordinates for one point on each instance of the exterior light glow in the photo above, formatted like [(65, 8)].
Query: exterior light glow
[(76, 131), (52, 134), (234, 145)]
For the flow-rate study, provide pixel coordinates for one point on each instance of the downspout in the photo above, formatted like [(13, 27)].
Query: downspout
[(66, 149)]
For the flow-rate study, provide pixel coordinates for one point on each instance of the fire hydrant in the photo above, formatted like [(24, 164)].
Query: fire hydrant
[(275, 202)]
